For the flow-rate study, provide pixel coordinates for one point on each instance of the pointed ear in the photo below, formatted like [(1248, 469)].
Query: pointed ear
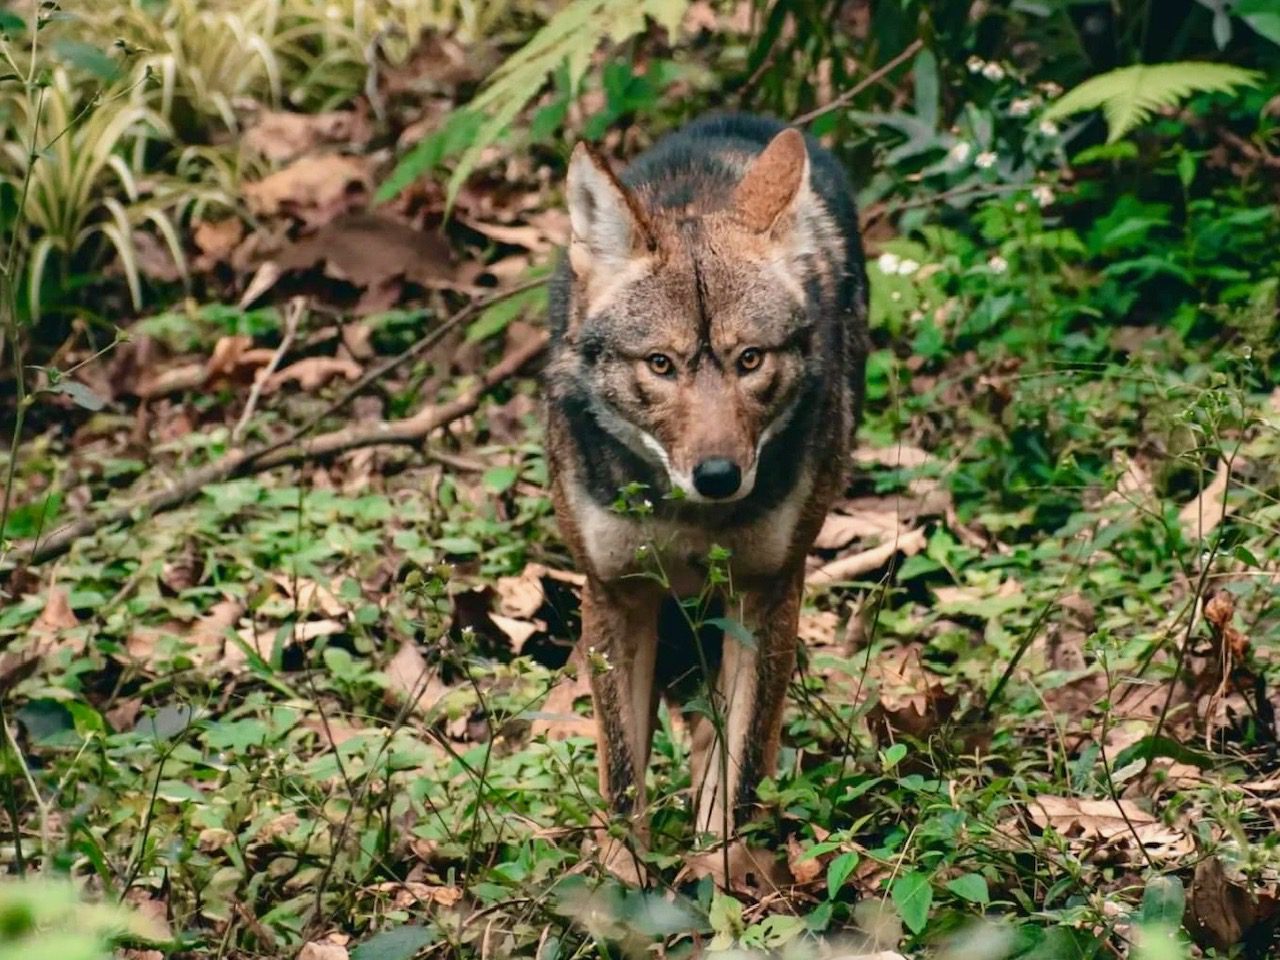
[(608, 223), (774, 183)]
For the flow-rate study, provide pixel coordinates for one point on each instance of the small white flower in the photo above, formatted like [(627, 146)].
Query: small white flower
[(1042, 195), (889, 263), (993, 71), (998, 264), (960, 152), (648, 504), (1051, 89), (975, 64), (907, 267), (985, 160), (1021, 107), (1019, 207), (1048, 128), (895, 295)]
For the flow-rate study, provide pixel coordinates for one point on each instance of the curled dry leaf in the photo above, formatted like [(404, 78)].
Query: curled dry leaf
[(847, 568)]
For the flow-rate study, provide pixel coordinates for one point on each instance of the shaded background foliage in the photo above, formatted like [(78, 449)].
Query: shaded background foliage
[(317, 709)]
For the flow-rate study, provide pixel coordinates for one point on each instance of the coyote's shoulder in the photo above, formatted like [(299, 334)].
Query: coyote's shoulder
[(708, 344)]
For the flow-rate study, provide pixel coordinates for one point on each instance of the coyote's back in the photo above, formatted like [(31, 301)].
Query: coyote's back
[(708, 344)]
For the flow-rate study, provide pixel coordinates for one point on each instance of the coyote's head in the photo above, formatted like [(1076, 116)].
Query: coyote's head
[(690, 312)]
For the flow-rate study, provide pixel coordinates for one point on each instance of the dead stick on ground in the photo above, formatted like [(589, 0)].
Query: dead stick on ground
[(293, 315), (294, 448)]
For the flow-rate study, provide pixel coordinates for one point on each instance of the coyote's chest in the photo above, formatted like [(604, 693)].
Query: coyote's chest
[(678, 552)]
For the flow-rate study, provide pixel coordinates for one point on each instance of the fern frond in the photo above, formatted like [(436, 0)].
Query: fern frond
[(1129, 96), (571, 36)]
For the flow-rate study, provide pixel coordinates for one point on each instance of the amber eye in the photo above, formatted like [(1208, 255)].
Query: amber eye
[(750, 359), (660, 364)]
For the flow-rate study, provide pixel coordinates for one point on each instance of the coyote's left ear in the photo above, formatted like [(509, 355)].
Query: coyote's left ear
[(775, 185), (609, 225)]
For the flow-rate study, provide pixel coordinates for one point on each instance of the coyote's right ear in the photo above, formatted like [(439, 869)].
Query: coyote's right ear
[(609, 226)]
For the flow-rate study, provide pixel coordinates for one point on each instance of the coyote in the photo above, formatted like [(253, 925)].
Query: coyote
[(708, 344)]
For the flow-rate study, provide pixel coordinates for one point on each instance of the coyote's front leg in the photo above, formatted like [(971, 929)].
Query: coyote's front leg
[(620, 624), (732, 753)]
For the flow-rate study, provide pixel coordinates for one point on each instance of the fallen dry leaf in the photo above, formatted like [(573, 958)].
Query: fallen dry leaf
[(278, 135), (361, 260), (323, 951), (557, 718), (1201, 516), (1105, 821), (312, 373), (412, 893), (216, 241), (310, 596), (1222, 913), (846, 568), (313, 190), (411, 678), (517, 630), (803, 869), (841, 529), (818, 628), (522, 596), (902, 456)]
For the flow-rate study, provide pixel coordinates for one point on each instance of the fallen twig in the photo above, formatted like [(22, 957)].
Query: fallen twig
[(874, 77), (294, 448), (293, 315)]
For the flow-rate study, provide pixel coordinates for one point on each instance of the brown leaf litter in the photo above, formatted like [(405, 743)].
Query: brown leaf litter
[(280, 136), (364, 262), (1094, 824), (313, 190)]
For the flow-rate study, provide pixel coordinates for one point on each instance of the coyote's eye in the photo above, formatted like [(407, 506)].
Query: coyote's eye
[(750, 359), (660, 364)]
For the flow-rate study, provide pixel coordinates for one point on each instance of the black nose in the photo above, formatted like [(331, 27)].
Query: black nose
[(717, 477)]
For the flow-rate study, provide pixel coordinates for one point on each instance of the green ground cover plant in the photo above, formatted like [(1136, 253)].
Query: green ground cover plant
[(286, 631)]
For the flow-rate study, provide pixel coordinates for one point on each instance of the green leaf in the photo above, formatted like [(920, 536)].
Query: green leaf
[(735, 629), (1130, 95), (838, 872), (1163, 901), (499, 316), (29, 519), (1262, 16), (499, 479), (80, 395), (971, 887), (912, 893), (892, 756), (398, 943)]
